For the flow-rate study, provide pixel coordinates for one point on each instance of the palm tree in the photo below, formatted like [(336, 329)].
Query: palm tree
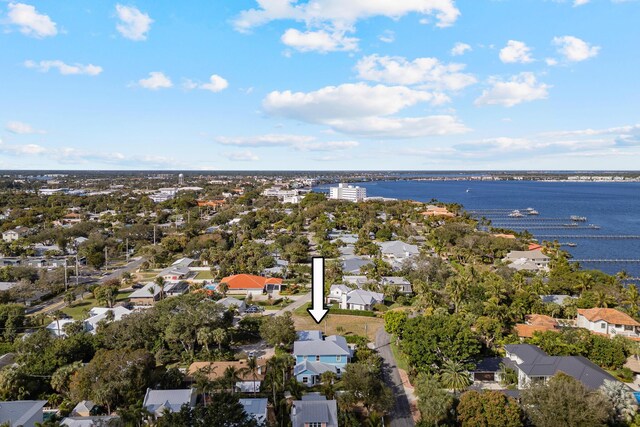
[(252, 369), (204, 336), (632, 299), (230, 377), (219, 336), (223, 288), (454, 376), (160, 282)]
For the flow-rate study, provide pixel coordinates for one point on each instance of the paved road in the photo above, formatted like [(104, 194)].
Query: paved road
[(298, 303), (401, 413), (58, 303)]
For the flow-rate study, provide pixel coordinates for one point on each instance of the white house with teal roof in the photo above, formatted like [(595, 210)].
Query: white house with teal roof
[(315, 355)]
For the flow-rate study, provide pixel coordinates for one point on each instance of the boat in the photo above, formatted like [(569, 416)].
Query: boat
[(578, 218), (468, 190), (516, 214), (532, 212)]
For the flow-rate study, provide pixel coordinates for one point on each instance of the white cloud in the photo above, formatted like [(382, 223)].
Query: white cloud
[(65, 69), (460, 49), (515, 51), (26, 149), (319, 12), (428, 72), (577, 3), (387, 36), (134, 24), (520, 88), (322, 41), (31, 22), (216, 84), (297, 142), (242, 156), (344, 101), (575, 49), (156, 80), (551, 62), (360, 109), (21, 128)]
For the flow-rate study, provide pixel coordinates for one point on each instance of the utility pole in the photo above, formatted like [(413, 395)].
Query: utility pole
[(77, 269), (106, 260), (65, 275), (154, 234), (127, 248)]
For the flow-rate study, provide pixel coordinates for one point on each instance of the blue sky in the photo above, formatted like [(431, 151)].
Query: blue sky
[(320, 84)]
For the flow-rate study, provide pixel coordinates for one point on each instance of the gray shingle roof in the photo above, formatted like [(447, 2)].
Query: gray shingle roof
[(19, 412), (318, 411), (156, 400), (537, 363), (331, 346)]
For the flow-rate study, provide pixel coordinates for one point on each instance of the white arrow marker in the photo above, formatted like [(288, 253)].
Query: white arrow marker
[(317, 310)]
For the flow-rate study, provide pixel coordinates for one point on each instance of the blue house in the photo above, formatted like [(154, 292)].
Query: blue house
[(315, 355)]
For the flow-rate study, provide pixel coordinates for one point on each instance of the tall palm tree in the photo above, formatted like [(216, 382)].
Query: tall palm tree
[(219, 336), (230, 377), (223, 288), (454, 376), (160, 282), (204, 336), (252, 369)]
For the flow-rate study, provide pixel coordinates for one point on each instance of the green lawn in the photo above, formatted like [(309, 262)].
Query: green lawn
[(204, 275), (80, 307), (401, 359)]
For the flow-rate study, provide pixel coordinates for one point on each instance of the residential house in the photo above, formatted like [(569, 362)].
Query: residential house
[(316, 356), (157, 401), (24, 413), (249, 382), (403, 285), (528, 260), (354, 299), (534, 365), (249, 284), (608, 321), (57, 327), (536, 323), (177, 271), (146, 296), (71, 218), (15, 234), (101, 314), (230, 302), (174, 289), (314, 411), (97, 421), (556, 299), (256, 409), (353, 264), (439, 211), (397, 250), (83, 409)]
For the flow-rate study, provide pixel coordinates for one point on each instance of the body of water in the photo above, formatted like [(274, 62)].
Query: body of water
[(613, 207)]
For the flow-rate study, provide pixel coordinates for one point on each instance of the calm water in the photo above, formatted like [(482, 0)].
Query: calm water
[(614, 207)]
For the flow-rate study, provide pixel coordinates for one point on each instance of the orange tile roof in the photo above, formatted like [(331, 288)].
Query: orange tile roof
[(505, 236), (247, 281), (535, 247), (216, 369), (527, 331), (211, 203), (536, 323), (609, 315)]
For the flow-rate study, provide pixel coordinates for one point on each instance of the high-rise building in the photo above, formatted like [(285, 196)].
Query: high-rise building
[(348, 192)]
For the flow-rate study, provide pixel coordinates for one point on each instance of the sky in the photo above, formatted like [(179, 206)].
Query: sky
[(320, 84)]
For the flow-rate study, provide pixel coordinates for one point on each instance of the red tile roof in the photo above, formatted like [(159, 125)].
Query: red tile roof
[(247, 281), (609, 315)]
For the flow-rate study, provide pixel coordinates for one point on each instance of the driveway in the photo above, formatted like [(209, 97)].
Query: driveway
[(302, 300), (401, 412)]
